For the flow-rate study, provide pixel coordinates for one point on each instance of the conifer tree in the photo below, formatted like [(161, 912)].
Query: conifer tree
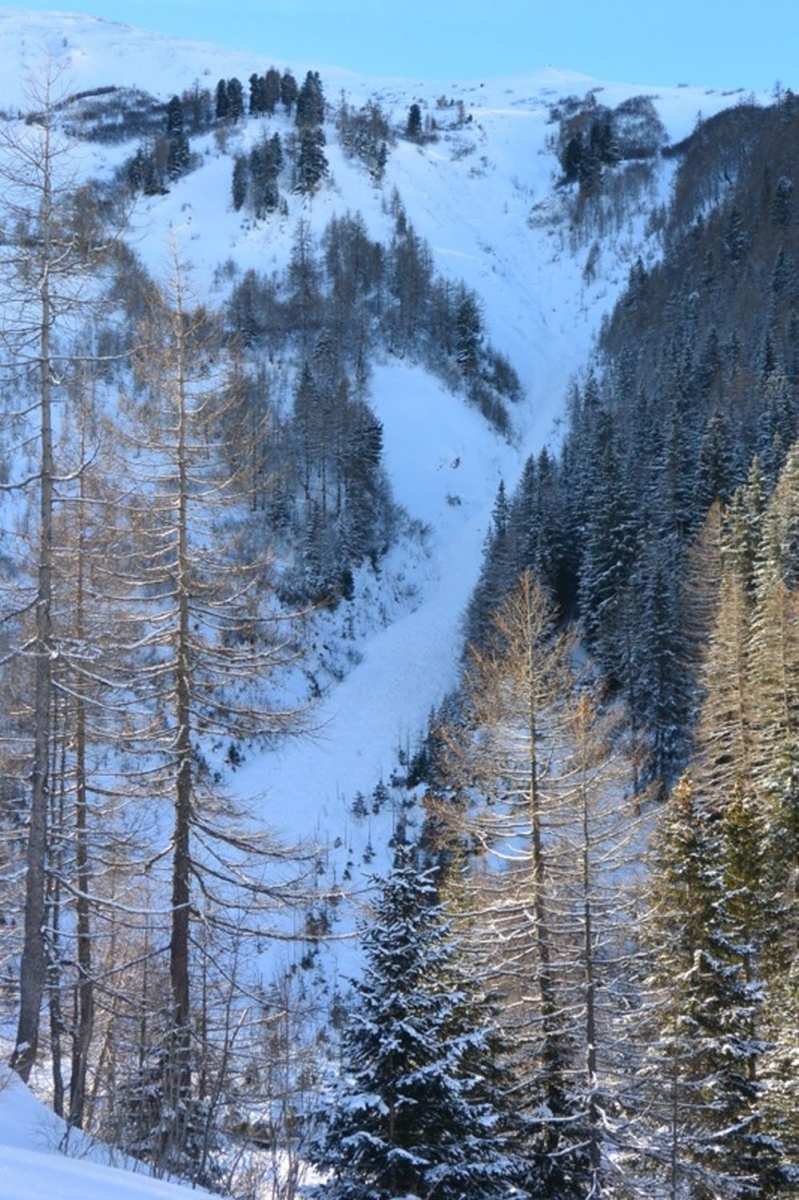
[(288, 91), (271, 90), (239, 182), (656, 670), (235, 100), (413, 125), (609, 542), (703, 1026), (419, 1110), (774, 680), (178, 152), (507, 796), (410, 279), (468, 333), (257, 99), (774, 684), (312, 165), (304, 287), (222, 100), (310, 104), (265, 165)]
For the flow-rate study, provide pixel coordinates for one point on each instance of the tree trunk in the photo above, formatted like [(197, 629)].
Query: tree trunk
[(84, 997), (34, 964), (180, 1050)]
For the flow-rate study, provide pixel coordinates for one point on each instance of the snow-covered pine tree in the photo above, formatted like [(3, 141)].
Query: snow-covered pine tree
[(271, 91), (288, 90), (178, 149), (235, 96), (312, 165), (419, 1109), (704, 1103)]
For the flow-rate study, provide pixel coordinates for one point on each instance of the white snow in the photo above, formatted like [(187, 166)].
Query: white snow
[(470, 195), (37, 1164)]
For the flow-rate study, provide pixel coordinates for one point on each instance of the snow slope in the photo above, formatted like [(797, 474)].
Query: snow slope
[(35, 1162), (470, 194)]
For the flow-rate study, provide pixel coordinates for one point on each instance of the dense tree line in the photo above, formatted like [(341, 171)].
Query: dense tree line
[(646, 997), (722, 901), (638, 1003), (695, 374), (165, 155)]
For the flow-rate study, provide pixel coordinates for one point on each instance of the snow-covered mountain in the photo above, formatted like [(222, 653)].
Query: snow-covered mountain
[(484, 195)]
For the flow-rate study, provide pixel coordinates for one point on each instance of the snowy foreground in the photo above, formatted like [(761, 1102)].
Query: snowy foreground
[(34, 1165)]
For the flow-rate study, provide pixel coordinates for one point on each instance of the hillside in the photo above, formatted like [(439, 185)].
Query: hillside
[(483, 198), (398, 335)]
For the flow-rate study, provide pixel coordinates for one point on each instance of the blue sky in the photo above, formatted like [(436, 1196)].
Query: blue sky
[(720, 43)]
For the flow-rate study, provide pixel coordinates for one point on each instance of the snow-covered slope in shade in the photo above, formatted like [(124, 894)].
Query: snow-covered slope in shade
[(445, 467), (36, 1164)]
